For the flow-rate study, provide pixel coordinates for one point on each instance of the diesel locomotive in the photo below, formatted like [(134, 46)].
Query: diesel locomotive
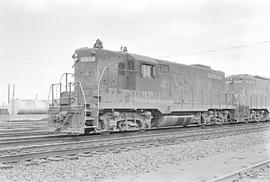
[(121, 91)]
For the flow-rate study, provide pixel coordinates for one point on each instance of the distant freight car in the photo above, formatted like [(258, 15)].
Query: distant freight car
[(118, 90)]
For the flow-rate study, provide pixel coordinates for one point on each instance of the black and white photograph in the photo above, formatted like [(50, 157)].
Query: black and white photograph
[(134, 91)]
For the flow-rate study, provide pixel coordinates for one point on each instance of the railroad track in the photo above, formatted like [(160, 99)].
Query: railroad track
[(10, 131), (92, 147), (46, 138), (24, 124), (235, 176), (23, 133), (25, 128)]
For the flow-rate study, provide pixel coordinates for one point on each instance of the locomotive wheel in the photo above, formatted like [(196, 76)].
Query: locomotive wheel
[(57, 130), (202, 121), (121, 126), (87, 131), (102, 124), (140, 126)]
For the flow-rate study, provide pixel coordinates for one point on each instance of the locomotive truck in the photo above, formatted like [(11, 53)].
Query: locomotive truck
[(121, 91)]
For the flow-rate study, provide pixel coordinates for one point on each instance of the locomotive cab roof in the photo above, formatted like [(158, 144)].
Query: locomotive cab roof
[(86, 51), (247, 76)]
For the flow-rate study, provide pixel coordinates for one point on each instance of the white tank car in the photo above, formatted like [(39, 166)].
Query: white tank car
[(25, 106)]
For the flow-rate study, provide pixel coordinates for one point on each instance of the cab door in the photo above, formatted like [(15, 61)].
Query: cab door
[(131, 73), (147, 84), (127, 74)]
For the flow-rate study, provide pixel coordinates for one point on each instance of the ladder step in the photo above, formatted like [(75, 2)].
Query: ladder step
[(88, 113), (90, 127), (89, 119)]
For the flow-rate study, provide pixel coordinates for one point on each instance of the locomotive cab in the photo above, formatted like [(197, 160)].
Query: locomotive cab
[(102, 79)]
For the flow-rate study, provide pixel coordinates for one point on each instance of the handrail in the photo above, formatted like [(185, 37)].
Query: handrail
[(67, 106), (99, 80), (83, 98), (61, 78), (57, 84), (49, 100), (58, 99), (244, 102), (124, 70)]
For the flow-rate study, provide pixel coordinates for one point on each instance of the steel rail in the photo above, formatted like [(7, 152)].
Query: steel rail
[(240, 173), (82, 146), (8, 141), (11, 130), (98, 84), (23, 133)]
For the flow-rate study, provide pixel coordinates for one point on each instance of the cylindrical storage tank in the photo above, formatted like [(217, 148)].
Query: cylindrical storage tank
[(19, 106)]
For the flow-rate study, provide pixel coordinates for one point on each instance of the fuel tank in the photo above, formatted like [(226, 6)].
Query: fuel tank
[(165, 121)]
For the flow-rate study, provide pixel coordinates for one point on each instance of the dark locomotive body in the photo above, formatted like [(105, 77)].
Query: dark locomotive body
[(117, 91), (251, 96)]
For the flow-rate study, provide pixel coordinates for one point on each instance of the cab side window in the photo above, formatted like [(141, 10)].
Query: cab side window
[(121, 68), (164, 68), (148, 70)]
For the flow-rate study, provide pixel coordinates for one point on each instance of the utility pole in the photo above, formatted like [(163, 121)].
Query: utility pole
[(66, 82), (13, 99), (8, 93)]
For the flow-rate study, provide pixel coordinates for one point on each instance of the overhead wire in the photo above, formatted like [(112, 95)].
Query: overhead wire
[(180, 55), (32, 59), (219, 50)]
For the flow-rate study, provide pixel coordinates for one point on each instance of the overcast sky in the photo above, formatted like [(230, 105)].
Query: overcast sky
[(38, 37)]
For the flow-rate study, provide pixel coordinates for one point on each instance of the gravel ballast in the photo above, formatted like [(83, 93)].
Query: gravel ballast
[(130, 163)]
